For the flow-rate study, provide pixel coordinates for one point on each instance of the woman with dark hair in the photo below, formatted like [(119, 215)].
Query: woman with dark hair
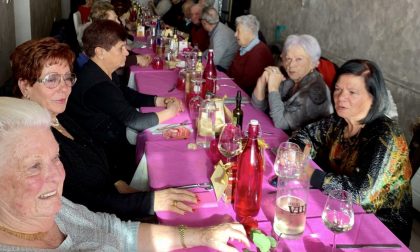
[(361, 150), (104, 107), (42, 70)]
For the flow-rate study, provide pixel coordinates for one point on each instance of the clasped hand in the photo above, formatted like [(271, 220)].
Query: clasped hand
[(272, 78)]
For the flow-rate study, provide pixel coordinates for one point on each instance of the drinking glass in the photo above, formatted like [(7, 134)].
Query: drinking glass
[(286, 154), (230, 141), (338, 215)]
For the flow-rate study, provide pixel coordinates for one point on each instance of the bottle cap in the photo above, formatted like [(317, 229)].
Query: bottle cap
[(254, 122)]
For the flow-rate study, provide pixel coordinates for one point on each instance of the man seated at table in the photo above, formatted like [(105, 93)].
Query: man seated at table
[(361, 150), (222, 39), (198, 36), (253, 56)]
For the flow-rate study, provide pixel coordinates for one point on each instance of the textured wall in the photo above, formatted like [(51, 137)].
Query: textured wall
[(43, 14), (7, 39), (385, 31)]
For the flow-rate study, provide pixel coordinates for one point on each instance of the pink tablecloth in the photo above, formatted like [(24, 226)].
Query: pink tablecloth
[(170, 163)]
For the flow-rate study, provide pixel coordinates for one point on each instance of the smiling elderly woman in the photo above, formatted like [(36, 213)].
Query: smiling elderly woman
[(300, 98), (34, 216), (361, 150)]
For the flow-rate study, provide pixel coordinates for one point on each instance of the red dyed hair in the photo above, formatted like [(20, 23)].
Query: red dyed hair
[(29, 58)]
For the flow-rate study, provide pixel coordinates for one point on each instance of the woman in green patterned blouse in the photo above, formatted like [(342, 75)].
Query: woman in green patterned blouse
[(361, 150)]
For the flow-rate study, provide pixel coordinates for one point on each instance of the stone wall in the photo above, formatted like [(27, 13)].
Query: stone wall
[(385, 31), (7, 39)]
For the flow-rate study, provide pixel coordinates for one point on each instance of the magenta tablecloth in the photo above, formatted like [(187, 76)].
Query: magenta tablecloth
[(170, 163)]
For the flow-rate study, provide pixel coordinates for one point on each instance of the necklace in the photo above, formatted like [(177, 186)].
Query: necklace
[(25, 236), (55, 123)]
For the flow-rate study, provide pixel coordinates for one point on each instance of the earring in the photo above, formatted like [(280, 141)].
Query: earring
[(26, 96)]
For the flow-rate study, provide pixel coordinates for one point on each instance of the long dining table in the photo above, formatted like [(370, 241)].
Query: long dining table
[(170, 163)]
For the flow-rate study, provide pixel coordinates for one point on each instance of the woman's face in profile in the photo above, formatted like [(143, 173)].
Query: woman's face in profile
[(297, 63), (352, 101), (32, 175), (115, 57)]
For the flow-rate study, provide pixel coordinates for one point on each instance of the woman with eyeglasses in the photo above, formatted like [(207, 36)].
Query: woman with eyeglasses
[(42, 70)]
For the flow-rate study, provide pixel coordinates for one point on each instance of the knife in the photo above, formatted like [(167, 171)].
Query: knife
[(370, 246), (206, 186)]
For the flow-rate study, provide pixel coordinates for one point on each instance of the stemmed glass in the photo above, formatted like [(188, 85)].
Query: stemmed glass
[(286, 155), (338, 215), (230, 141)]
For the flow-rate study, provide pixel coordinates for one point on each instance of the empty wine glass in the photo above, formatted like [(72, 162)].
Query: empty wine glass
[(286, 153), (230, 141), (338, 215)]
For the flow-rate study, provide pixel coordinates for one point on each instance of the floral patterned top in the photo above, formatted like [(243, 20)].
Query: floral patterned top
[(373, 165)]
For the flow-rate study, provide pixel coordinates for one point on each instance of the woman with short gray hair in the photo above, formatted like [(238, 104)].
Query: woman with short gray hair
[(299, 97), (253, 56)]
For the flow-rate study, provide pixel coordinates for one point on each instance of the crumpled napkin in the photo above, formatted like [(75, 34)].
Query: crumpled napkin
[(179, 132)]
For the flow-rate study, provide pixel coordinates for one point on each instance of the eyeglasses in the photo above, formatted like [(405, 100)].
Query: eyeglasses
[(53, 80)]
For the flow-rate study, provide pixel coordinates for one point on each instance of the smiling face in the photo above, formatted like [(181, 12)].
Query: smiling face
[(297, 63), (352, 100), (32, 176), (55, 99), (243, 35)]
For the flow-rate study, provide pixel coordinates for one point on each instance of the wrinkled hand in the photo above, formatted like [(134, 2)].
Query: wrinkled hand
[(275, 78), (174, 200), (263, 79), (218, 236), (144, 60)]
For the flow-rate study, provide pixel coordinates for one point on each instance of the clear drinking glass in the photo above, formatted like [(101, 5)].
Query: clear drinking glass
[(338, 215), (291, 197), (230, 141), (286, 153)]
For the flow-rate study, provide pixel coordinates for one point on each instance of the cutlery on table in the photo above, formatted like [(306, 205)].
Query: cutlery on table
[(369, 246), (174, 125), (206, 186)]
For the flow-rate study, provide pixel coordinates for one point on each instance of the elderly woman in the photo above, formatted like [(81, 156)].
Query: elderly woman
[(361, 150), (34, 215), (300, 97), (253, 56), (42, 70), (104, 107)]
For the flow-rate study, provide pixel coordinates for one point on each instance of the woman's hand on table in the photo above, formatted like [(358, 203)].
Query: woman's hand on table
[(174, 200), (144, 60), (217, 237)]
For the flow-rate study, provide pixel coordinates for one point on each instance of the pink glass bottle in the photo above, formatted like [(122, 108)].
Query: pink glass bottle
[(249, 176), (210, 75)]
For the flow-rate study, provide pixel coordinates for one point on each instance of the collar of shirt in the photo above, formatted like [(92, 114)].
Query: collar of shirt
[(214, 30), (249, 47)]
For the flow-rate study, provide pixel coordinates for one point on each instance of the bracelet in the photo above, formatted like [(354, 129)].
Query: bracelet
[(181, 231)]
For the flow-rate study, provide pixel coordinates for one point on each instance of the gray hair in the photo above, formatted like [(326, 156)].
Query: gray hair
[(18, 113), (208, 3), (307, 42), (210, 15), (250, 22)]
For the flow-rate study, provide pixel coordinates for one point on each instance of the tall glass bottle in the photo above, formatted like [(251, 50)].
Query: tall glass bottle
[(199, 65), (210, 75), (206, 122), (249, 176), (237, 112), (195, 103)]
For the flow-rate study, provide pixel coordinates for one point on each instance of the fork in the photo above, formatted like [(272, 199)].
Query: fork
[(185, 122)]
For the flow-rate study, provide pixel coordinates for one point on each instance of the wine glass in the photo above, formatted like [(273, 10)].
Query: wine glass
[(338, 215), (286, 155), (230, 141)]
